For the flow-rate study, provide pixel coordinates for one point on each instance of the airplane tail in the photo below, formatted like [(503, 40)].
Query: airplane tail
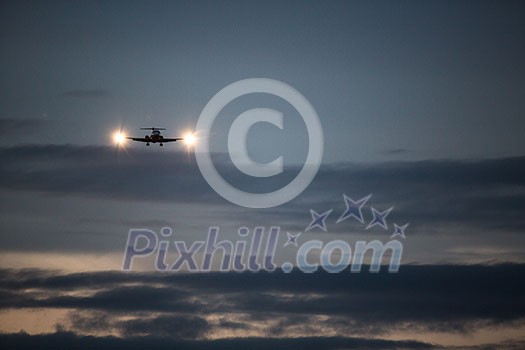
[(152, 128)]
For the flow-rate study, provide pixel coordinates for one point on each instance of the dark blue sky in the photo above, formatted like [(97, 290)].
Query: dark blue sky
[(389, 79)]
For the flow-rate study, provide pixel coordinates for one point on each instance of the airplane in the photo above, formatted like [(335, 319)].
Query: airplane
[(155, 137)]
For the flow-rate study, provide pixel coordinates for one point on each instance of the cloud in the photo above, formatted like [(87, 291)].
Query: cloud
[(174, 326), (395, 151), (91, 322), (56, 340), (270, 310), (101, 171), (472, 195), (438, 298), (87, 93), (178, 326), (89, 194), (9, 126)]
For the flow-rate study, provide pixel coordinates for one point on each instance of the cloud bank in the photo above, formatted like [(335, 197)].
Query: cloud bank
[(283, 310)]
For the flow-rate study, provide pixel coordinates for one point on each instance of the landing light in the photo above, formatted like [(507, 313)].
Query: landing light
[(119, 137), (189, 139)]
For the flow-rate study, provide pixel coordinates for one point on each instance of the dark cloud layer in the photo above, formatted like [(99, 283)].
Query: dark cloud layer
[(55, 341), (422, 294), (13, 127), (166, 310), (485, 194)]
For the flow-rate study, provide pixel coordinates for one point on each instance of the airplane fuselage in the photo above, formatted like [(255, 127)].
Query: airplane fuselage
[(154, 137)]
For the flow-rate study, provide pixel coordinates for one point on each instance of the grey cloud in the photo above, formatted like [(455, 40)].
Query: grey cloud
[(171, 326), (486, 194), (178, 326), (438, 297), (14, 126), (102, 171), (89, 322), (56, 340)]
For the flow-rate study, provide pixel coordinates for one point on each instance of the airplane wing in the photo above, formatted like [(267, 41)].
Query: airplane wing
[(141, 139), (167, 139)]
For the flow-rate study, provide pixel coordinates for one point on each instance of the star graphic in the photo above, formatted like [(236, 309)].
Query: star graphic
[(399, 230), (353, 208), (292, 239), (318, 220), (379, 218)]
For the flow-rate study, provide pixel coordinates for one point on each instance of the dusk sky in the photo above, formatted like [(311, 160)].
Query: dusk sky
[(422, 107)]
